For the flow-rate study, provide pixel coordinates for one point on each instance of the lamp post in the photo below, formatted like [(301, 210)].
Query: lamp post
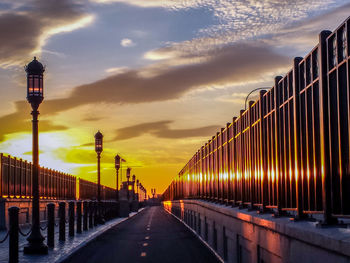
[(117, 167), (133, 187), (127, 182), (35, 95), (98, 150), (137, 189)]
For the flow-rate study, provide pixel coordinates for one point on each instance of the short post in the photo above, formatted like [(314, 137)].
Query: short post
[(78, 217), (95, 213), (91, 225), (13, 234), (71, 213), (85, 217), (62, 222), (51, 224)]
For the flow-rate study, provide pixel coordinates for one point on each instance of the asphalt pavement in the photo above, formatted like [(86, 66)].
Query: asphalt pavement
[(151, 236)]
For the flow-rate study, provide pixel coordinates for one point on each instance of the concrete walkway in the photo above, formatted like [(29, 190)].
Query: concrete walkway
[(152, 236), (62, 249)]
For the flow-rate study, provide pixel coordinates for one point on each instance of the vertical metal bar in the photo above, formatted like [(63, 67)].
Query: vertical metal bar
[(51, 224), (324, 132), (297, 149), (13, 234), (62, 221), (277, 132)]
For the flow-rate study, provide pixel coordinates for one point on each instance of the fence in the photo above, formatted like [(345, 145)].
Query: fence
[(289, 151), (88, 190), (16, 182)]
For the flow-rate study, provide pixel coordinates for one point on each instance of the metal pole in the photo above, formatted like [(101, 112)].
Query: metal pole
[(98, 178), (117, 188), (62, 222), (36, 245), (51, 225), (91, 209), (13, 234), (71, 207), (85, 218), (127, 188), (79, 217)]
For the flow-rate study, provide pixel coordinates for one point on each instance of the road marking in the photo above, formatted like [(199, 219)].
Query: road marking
[(143, 254), (145, 244), (147, 237)]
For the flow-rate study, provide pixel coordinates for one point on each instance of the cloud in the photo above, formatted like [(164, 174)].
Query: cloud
[(116, 70), (244, 62), (126, 42), (290, 35), (232, 64), (20, 121), (25, 28), (161, 129)]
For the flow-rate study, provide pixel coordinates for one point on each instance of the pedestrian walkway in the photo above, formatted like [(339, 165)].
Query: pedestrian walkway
[(62, 249), (154, 236)]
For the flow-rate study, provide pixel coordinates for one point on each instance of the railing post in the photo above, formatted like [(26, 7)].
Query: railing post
[(51, 224), (85, 218), (91, 225), (79, 217), (277, 131), (297, 147), (62, 221), (13, 234), (71, 218), (95, 212), (324, 132)]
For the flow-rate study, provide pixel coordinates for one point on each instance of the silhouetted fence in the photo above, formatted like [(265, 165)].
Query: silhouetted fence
[(16, 182), (289, 151), (88, 190)]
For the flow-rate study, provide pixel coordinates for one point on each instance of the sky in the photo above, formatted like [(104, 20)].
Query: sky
[(157, 77)]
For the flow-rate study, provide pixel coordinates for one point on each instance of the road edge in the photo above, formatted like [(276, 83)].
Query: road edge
[(198, 236)]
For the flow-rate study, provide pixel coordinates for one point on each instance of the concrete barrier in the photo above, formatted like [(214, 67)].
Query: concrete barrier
[(238, 235)]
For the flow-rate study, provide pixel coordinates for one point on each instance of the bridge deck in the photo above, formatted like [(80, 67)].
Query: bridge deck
[(165, 240)]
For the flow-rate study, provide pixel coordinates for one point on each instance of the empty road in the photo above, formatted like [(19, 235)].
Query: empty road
[(151, 236)]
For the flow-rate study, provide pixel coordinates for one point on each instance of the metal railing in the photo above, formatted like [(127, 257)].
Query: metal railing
[(289, 151), (88, 190), (16, 182)]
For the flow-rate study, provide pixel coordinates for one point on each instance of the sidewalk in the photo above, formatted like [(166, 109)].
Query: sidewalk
[(62, 249)]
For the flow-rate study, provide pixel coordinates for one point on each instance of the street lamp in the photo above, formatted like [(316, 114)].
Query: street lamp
[(98, 150), (127, 180), (117, 167), (35, 95), (133, 187), (137, 189)]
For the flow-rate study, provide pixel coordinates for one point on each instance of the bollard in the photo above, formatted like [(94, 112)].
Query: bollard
[(95, 213), (51, 225), (78, 217), (91, 225), (71, 215), (85, 217), (13, 234), (62, 222)]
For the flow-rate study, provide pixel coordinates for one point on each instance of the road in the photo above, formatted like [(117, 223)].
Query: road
[(151, 236)]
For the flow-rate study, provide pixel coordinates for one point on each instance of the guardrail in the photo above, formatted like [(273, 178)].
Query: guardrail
[(289, 151), (16, 182)]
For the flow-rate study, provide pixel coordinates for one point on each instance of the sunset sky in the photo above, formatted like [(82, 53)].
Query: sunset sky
[(157, 77)]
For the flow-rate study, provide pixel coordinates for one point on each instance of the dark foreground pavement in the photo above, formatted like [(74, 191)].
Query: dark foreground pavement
[(151, 236)]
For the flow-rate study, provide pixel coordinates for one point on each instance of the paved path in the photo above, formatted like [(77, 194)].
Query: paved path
[(151, 236)]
